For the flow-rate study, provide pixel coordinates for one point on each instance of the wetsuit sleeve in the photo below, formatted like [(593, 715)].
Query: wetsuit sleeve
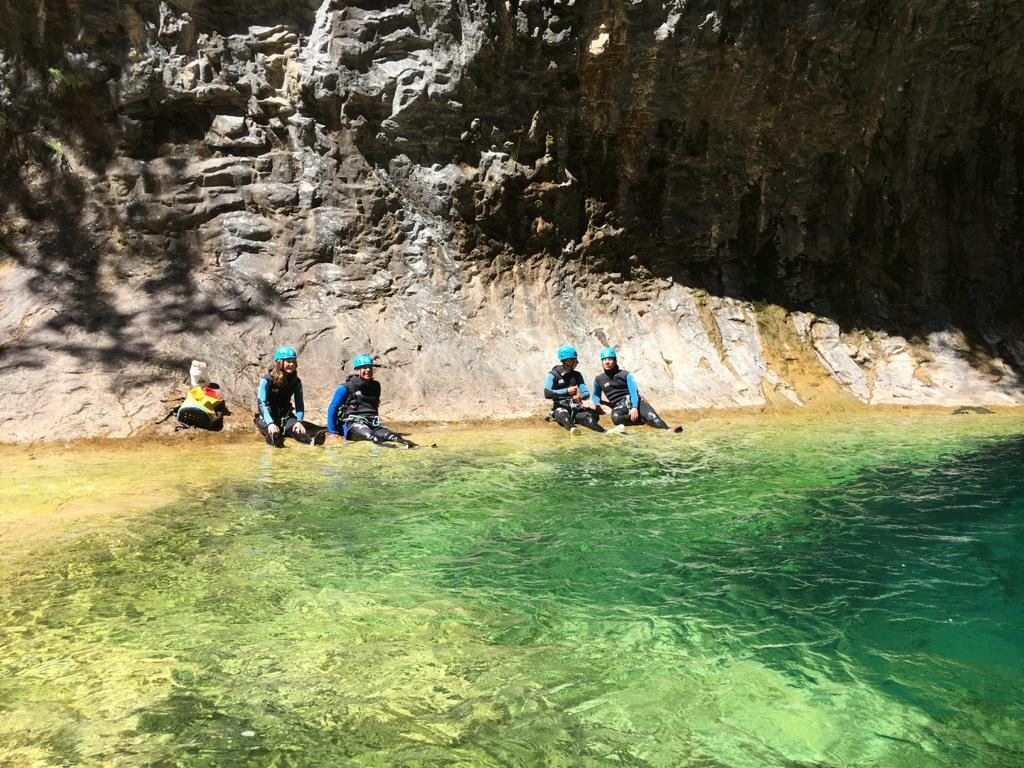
[(584, 392), (634, 393), (596, 399), (332, 410), (549, 393), (261, 398), (300, 405)]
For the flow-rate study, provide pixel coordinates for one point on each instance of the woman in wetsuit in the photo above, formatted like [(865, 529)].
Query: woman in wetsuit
[(275, 416), (352, 414)]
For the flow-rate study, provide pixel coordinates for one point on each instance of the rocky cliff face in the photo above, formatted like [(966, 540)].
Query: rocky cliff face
[(754, 201)]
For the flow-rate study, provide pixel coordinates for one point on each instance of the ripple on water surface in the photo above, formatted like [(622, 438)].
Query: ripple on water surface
[(840, 592)]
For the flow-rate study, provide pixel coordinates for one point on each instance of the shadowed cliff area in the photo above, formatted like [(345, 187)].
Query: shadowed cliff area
[(197, 178), (857, 160)]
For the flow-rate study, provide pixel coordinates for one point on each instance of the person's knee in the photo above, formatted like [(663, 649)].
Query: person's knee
[(359, 432), (651, 416)]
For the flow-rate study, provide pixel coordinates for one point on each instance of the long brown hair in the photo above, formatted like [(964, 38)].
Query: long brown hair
[(278, 375)]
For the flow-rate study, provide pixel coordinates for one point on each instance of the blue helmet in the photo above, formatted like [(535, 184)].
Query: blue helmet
[(608, 353), (284, 353), (566, 352), (362, 361)]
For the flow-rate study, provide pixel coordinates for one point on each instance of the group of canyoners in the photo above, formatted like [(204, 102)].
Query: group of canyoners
[(354, 410)]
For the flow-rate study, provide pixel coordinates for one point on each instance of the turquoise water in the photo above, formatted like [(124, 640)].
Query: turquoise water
[(813, 592)]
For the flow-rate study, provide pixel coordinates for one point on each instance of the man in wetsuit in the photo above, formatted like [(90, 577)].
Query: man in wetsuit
[(618, 387), (352, 414), (564, 385)]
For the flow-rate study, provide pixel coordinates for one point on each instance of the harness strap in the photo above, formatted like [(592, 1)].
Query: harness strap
[(373, 422), (568, 403), (172, 412), (572, 407), (258, 417)]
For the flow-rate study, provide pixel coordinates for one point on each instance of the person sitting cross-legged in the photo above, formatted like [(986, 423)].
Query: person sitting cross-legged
[(565, 387)]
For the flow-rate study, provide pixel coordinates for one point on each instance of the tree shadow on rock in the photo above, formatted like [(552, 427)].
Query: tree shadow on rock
[(113, 304)]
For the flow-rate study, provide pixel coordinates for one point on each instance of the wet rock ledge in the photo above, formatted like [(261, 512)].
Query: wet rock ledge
[(756, 202)]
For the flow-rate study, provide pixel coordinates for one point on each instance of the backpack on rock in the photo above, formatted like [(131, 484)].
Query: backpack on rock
[(203, 408)]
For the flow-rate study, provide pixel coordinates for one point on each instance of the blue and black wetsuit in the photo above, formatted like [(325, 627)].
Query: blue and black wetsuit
[(621, 394), (275, 406), (353, 413), (564, 409)]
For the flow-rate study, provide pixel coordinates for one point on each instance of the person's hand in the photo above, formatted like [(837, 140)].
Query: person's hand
[(334, 438), (634, 415), (573, 391), (273, 429), (577, 398), (298, 429)]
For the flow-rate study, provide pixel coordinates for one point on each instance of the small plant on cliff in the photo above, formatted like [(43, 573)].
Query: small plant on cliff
[(59, 155), (64, 84), (513, 159)]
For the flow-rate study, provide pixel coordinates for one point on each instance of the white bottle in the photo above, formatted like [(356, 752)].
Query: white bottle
[(198, 374)]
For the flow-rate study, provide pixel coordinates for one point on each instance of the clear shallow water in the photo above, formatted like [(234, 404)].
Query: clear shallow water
[(812, 592)]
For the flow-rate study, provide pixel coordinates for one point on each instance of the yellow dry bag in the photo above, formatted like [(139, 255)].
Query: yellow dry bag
[(203, 408)]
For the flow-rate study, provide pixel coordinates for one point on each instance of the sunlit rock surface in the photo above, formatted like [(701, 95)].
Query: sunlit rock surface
[(755, 203)]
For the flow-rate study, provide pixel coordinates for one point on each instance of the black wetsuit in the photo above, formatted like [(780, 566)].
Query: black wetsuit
[(275, 407), (353, 413), (564, 409), (620, 392)]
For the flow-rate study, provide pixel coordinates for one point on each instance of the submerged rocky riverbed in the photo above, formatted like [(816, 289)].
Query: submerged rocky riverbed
[(835, 591)]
